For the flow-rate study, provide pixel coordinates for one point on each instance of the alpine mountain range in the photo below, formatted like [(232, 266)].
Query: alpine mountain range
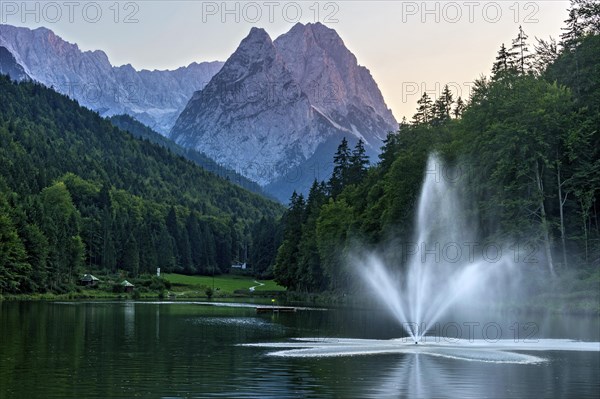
[(275, 111)]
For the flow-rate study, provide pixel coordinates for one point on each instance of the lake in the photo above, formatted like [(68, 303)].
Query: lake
[(192, 350)]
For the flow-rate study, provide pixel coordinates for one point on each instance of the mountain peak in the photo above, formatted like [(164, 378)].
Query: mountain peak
[(276, 104), (257, 35), (316, 29), (254, 46), (43, 30), (255, 52)]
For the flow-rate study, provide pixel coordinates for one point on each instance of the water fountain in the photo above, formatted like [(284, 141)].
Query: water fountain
[(446, 270), (445, 264)]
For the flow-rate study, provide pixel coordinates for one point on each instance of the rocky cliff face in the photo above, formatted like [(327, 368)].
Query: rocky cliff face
[(337, 86), (274, 106), (9, 66), (155, 98)]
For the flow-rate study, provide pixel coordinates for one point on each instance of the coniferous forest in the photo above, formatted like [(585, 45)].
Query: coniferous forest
[(527, 139), (141, 131), (77, 194)]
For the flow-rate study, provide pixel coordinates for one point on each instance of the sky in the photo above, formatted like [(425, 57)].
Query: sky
[(410, 47)]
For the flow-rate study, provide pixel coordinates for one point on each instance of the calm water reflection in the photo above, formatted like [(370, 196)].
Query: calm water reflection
[(162, 350)]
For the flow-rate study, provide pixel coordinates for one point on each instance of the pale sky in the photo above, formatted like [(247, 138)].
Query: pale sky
[(409, 46)]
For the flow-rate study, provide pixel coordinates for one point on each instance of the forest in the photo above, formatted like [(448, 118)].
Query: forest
[(78, 194), (141, 131), (527, 139)]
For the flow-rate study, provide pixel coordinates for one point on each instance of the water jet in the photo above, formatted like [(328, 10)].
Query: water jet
[(444, 267)]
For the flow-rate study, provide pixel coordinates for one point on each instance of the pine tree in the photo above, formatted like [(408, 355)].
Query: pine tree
[(108, 257), (287, 256), (403, 124), (60, 225), (131, 256), (36, 245), (519, 52), (424, 110), (14, 269), (584, 18), (546, 52), (264, 246), (359, 161), (389, 150), (210, 249), (195, 243), (185, 253), (505, 62), (165, 251), (589, 13), (309, 273), (459, 108), (173, 230), (442, 107), (341, 161), (573, 30)]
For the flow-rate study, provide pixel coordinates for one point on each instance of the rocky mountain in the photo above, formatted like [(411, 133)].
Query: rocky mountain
[(336, 85), (155, 98), (277, 110)]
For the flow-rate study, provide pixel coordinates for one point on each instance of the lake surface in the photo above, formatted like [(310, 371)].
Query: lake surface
[(192, 350)]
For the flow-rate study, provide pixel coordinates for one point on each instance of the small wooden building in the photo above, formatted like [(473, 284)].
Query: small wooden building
[(88, 280), (127, 286)]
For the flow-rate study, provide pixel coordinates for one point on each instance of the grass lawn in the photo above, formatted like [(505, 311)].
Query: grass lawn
[(226, 284), (269, 285)]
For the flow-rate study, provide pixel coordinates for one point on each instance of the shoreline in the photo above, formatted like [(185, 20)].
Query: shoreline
[(541, 304)]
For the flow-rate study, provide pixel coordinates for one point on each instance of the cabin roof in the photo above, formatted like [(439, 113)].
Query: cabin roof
[(89, 277), (126, 283)]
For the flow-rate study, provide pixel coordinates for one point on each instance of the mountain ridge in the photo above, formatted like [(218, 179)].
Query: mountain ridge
[(155, 97)]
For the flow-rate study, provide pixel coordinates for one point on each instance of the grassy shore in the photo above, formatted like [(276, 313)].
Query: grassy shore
[(169, 286), (221, 286)]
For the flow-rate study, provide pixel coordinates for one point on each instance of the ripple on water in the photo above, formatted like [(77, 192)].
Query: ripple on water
[(246, 322)]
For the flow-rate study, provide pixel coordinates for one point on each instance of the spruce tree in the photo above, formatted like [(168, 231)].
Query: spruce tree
[(458, 108), (504, 62), (359, 161), (341, 161), (442, 107), (519, 52), (424, 111)]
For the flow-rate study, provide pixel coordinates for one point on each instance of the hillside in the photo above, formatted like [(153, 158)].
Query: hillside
[(77, 193), (141, 131)]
